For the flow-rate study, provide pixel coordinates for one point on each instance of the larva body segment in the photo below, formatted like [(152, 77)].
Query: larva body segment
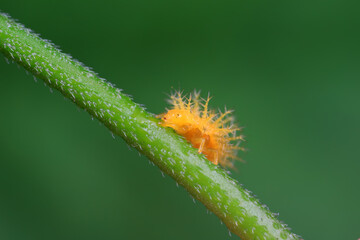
[(209, 132)]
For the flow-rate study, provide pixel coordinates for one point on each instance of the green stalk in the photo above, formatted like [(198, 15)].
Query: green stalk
[(206, 182)]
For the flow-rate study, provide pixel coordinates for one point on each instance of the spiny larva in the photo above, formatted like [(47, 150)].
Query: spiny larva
[(210, 132)]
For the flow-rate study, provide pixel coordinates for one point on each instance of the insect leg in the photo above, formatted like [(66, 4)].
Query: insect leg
[(216, 158), (201, 145)]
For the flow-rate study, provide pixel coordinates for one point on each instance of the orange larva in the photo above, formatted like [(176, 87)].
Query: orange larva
[(211, 133)]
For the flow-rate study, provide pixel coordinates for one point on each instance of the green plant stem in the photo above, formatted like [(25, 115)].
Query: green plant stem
[(206, 182)]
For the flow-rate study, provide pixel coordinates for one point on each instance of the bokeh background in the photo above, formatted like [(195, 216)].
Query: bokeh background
[(289, 69)]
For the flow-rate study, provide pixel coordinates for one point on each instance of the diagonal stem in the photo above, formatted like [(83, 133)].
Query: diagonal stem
[(234, 205)]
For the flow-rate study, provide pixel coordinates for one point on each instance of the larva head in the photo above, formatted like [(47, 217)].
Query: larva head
[(176, 118)]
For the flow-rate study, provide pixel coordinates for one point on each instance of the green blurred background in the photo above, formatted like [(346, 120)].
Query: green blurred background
[(289, 69)]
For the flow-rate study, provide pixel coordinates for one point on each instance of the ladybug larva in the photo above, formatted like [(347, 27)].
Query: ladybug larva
[(211, 133)]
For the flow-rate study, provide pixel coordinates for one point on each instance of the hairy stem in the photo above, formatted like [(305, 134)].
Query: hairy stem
[(206, 182)]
